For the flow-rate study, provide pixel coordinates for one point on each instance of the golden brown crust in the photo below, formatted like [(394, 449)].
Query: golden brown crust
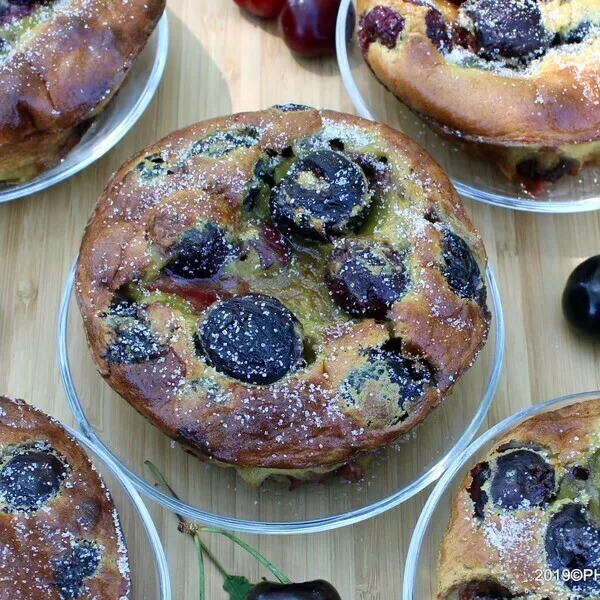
[(508, 546), (63, 72), (300, 421), (82, 510), (553, 102)]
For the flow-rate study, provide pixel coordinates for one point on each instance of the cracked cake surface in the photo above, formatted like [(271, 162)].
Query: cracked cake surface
[(60, 531), (287, 289)]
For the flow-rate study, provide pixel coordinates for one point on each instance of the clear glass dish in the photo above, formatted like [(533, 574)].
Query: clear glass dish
[(216, 496), (420, 573), (146, 555), (472, 177), (127, 107)]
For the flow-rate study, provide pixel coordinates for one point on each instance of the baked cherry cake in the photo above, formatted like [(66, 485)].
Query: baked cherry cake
[(525, 522), (514, 81), (60, 535), (282, 291), (61, 63)]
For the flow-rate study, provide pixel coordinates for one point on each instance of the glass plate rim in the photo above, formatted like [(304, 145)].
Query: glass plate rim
[(414, 548), (49, 179), (539, 206), (100, 455), (287, 527)]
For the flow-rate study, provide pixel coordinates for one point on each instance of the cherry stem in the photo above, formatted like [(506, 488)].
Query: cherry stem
[(213, 559), (201, 572), (162, 481), (192, 529)]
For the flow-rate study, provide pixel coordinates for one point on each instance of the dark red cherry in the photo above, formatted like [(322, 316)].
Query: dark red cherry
[(366, 280), (133, 341), (581, 298), (252, 338), (266, 9), (532, 170), (522, 479), (382, 24), (480, 473), (484, 590), (220, 143), (323, 194), (509, 28), (310, 590), (200, 253), (71, 571), (573, 544), (437, 30), (579, 33), (308, 26), (399, 382), (461, 269), (11, 10), (31, 478)]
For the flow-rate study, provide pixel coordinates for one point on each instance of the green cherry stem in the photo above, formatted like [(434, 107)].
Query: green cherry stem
[(213, 559), (201, 549), (191, 529), (201, 571), (162, 481)]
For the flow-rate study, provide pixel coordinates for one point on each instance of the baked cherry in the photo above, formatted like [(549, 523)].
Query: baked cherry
[(509, 28), (581, 298), (381, 24), (532, 171), (153, 166), (267, 9), (11, 10), (461, 269), (366, 280), (522, 479), (292, 107), (71, 571), (310, 590), (437, 30), (220, 143), (480, 473), (133, 342), (579, 33), (200, 253), (323, 194), (31, 478), (394, 381), (308, 26), (484, 590), (376, 168), (252, 338), (573, 543), (263, 179)]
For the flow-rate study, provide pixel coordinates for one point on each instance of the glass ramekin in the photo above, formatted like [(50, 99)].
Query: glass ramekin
[(147, 561), (472, 177), (420, 573), (126, 108), (214, 496)]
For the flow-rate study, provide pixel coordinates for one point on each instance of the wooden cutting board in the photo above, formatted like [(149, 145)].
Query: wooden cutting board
[(220, 61)]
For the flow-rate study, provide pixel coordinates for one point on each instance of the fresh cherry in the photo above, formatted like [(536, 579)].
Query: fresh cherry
[(311, 590), (308, 26), (267, 9), (581, 298)]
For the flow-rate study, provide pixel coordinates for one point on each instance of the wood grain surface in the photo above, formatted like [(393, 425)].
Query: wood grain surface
[(220, 62)]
